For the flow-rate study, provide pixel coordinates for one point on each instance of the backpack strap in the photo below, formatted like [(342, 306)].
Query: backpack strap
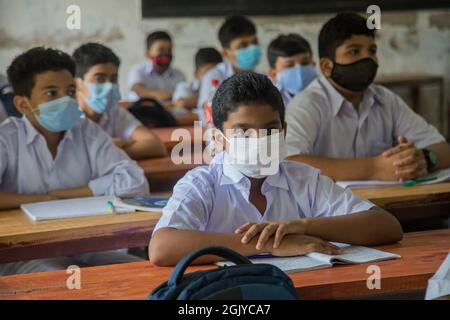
[(222, 252)]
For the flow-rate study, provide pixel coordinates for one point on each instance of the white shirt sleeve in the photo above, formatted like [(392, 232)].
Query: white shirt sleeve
[(409, 124), (303, 120), (125, 123), (114, 173), (190, 204), (332, 200)]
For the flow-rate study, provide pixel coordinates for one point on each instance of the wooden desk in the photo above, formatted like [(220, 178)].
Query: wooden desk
[(414, 81), (165, 134), (422, 254), (23, 239), (412, 203), (163, 173)]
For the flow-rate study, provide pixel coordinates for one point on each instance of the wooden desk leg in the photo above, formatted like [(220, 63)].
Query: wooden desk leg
[(415, 94)]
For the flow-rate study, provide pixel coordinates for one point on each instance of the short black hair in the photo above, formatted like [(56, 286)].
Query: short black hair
[(235, 27), (248, 88), (157, 35), (207, 55), (90, 54), (287, 46), (24, 68), (340, 28)]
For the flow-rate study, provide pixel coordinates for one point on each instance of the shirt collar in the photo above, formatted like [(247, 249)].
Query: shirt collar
[(337, 100), (150, 70), (232, 176), (32, 134)]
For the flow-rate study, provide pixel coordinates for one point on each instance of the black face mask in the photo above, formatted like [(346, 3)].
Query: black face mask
[(355, 76)]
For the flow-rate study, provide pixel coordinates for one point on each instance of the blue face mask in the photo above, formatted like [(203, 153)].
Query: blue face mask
[(248, 58), (297, 78), (59, 115), (103, 96)]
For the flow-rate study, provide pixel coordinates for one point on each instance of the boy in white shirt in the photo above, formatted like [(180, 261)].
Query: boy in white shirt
[(241, 52), (288, 209), (352, 129), (291, 64), (155, 78), (97, 69), (51, 152)]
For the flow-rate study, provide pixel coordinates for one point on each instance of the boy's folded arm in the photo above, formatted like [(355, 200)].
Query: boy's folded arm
[(372, 227), (145, 92), (169, 245), (145, 145)]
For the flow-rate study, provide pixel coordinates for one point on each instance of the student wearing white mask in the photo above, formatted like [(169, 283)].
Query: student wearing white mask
[(291, 64), (239, 201), (98, 95)]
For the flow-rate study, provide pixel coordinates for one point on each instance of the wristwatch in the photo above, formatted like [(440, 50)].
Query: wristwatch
[(431, 158)]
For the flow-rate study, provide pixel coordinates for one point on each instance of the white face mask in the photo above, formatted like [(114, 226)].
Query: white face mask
[(256, 157)]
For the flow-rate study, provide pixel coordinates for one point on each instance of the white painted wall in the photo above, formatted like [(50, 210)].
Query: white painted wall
[(410, 41)]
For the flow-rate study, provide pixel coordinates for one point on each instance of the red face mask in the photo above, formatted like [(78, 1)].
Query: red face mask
[(162, 60)]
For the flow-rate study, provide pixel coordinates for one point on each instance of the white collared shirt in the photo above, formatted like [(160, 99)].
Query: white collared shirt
[(145, 74), (86, 156), (119, 122), (215, 198), (220, 72), (320, 121)]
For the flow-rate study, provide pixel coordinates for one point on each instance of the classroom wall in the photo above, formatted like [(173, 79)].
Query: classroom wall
[(410, 41)]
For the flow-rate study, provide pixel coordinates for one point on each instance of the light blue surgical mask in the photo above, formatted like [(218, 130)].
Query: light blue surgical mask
[(102, 96), (248, 58), (297, 78), (59, 115)]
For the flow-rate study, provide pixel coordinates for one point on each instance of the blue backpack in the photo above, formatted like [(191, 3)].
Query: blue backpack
[(242, 281)]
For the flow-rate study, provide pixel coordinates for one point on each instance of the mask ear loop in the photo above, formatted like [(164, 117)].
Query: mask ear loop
[(36, 111), (212, 147)]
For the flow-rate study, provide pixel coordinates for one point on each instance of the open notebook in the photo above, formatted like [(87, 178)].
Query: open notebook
[(312, 261), (441, 176), (71, 208)]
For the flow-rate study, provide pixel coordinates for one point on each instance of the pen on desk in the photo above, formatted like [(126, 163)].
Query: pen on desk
[(111, 207), (411, 183)]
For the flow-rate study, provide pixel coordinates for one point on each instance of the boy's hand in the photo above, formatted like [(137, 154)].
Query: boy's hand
[(297, 245), (400, 163), (408, 161), (267, 229)]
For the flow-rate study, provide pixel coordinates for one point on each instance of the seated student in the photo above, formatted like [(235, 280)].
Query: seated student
[(236, 204), (98, 95), (51, 152), (186, 93), (291, 64), (241, 52), (352, 129), (155, 78)]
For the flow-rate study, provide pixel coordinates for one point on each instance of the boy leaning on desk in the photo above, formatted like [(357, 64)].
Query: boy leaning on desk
[(52, 153)]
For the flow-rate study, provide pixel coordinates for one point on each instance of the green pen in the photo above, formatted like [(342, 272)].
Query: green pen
[(111, 207), (412, 183)]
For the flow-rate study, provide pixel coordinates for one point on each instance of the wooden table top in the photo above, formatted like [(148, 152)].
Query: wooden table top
[(165, 134), (23, 238), (422, 254)]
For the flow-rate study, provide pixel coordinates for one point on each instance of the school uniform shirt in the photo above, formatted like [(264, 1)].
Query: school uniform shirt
[(186, 89), (215, 198), (145, 74), (220, 72), (119, 123), (86, 156), (322, 122)]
